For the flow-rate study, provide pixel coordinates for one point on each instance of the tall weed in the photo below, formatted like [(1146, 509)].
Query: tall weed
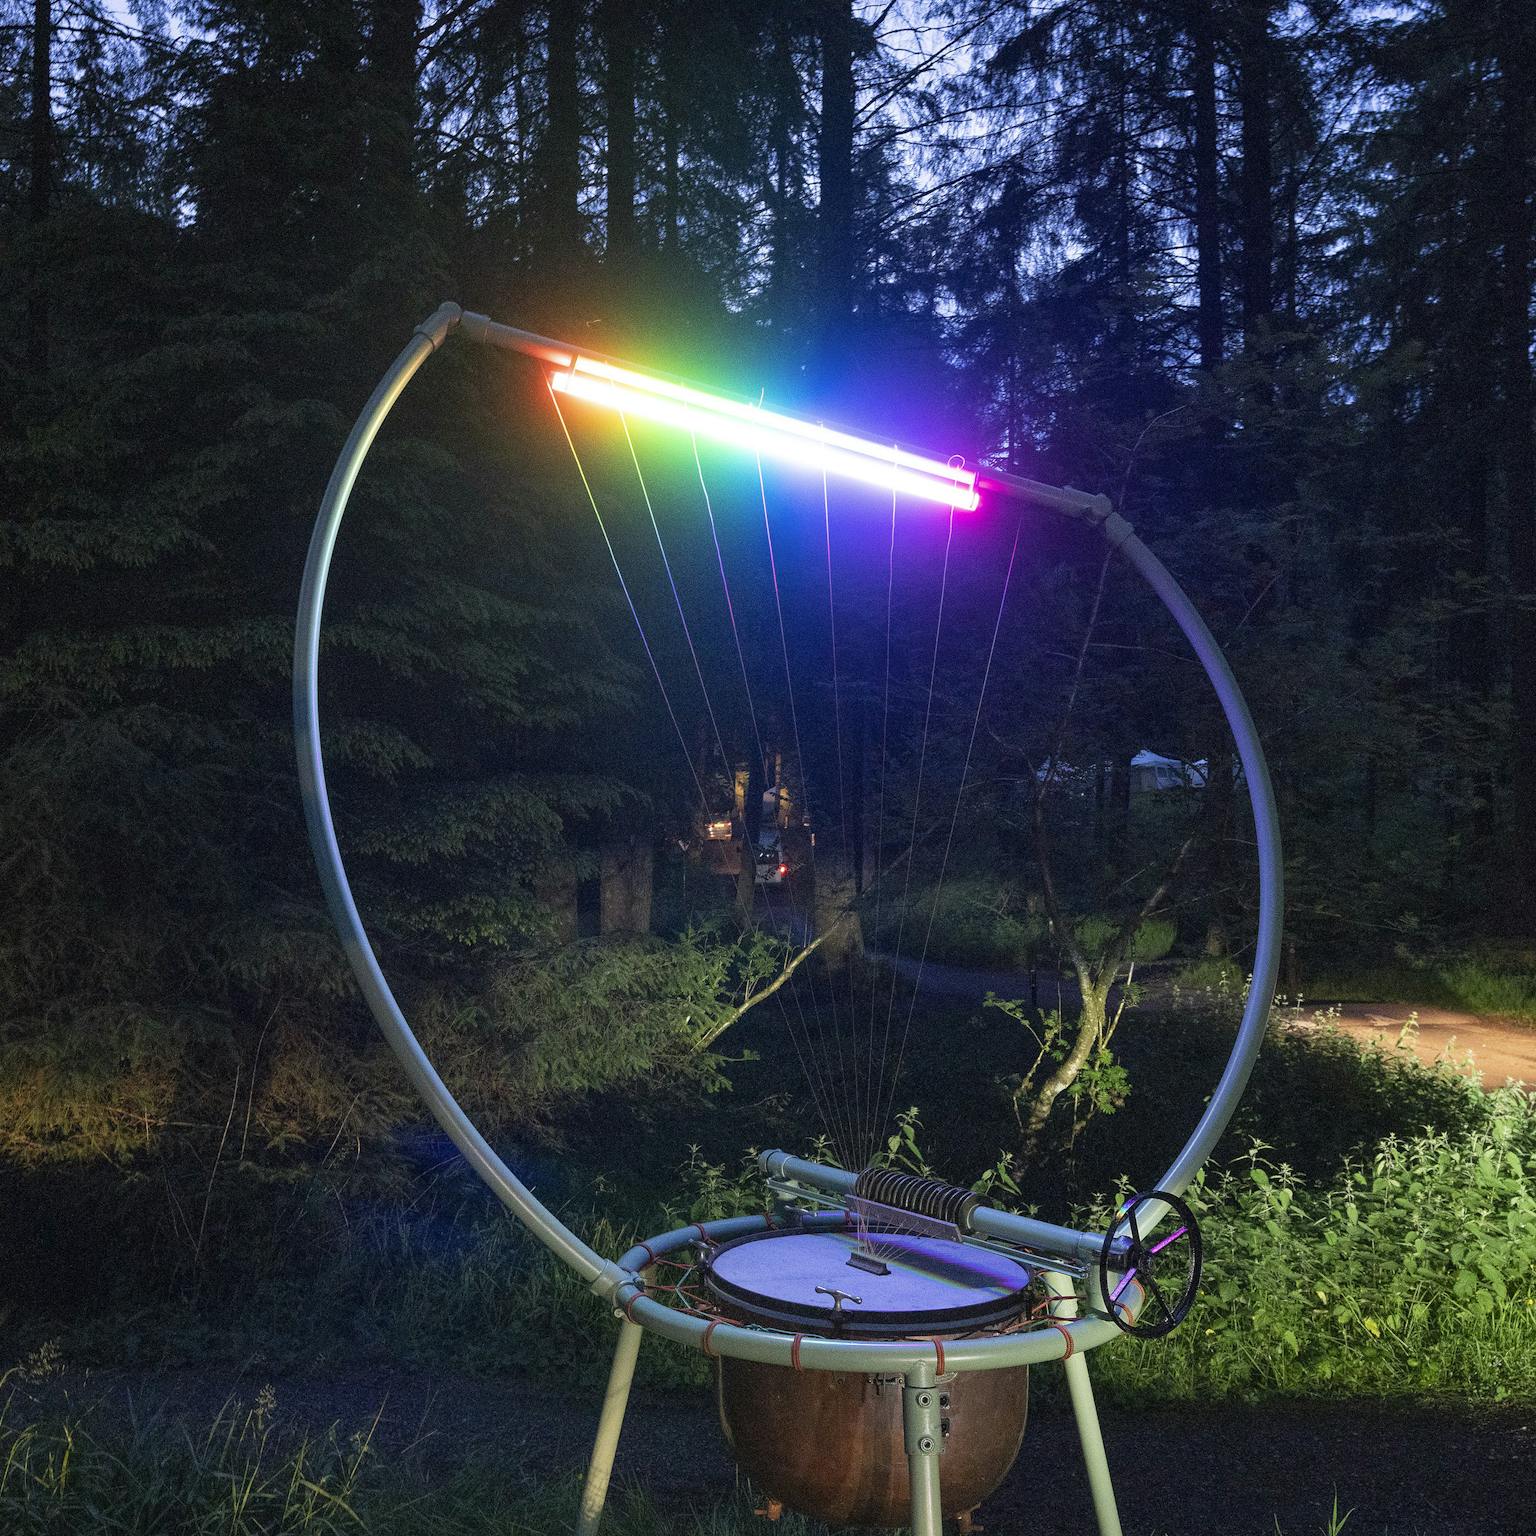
[(1413, 1271), (243, 1474)]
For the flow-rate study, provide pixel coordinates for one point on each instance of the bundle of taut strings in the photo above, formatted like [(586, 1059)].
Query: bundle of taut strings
[(849, 1026)]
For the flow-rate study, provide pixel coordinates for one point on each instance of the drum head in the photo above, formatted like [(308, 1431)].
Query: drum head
[(934, 1286)]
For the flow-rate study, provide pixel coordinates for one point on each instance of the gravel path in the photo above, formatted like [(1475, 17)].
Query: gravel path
[(1410, 1470)]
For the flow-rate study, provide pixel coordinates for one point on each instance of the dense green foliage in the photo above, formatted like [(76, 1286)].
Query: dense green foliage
[(1494, 985), (222, 218), (981, 921), (1438, 1252), (1409, 1272)]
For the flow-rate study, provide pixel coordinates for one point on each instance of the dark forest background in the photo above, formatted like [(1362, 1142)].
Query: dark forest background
[(1261, 272)]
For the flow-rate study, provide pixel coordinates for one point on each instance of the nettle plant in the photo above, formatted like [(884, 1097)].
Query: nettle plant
[(1412, 1270)]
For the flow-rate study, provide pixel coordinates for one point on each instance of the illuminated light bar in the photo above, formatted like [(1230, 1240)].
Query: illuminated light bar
[(768, 433)]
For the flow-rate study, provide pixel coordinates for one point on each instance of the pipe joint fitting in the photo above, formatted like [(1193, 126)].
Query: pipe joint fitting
[(440, 324)]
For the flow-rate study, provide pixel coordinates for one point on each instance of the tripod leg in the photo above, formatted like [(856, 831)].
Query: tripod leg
[(1086, 1412), (594, 1493), (1094, 1459), (922, 1421)]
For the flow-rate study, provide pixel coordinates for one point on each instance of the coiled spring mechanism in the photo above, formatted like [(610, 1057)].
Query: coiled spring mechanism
[(927, 1198)]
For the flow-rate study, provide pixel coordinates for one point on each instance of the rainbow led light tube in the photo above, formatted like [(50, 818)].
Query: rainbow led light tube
[(804, 443)]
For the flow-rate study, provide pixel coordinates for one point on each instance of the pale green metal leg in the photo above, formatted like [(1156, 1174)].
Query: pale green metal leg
[(923, 1422), (1086, 1412), (1087, 1415), (594, 1492)]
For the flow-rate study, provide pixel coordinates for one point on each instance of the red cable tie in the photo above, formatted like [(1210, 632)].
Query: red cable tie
[(768, 1220), (1061, 1328), (713, 1354), (629, 1307), (938, 1349), (651, 1256), (794, 1352), (704, 1236)]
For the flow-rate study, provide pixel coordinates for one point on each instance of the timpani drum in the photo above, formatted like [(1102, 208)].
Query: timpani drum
[(831, 1444)]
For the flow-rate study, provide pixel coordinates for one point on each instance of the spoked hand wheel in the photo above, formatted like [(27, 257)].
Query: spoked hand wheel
[(1166, 1268)]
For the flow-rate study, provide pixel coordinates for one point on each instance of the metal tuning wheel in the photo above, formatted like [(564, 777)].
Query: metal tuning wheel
[(1167, 1268)]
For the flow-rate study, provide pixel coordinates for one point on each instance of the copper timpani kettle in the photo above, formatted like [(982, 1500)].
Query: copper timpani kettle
[(831, 1444)]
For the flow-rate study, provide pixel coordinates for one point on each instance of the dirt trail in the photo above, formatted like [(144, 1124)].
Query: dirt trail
[(1499, 1049), (1232, 1470)]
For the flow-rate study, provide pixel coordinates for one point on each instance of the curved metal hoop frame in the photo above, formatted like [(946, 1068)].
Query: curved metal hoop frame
[(622, 1283)]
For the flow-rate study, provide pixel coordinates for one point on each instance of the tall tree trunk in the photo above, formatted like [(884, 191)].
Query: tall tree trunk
[(562, 132), (1014, 348), (1289, 275), (1124, 330), (1210, 330), (390, 170), (522, 166), (1255, 45), (1210, 321), (1117, 833), (628, 877), (1217, 808), (837, 919), (40, 181), (834, 215), (619, 99), (1517, 67), (672, 69), (786, 111)]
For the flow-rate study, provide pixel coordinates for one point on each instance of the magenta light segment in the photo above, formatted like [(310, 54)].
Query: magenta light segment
[(768, 433)]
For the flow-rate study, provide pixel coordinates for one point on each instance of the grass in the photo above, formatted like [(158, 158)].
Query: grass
[(391, 1290), (1483, 989), (980, 924), (1500, 987), (242, 1475), (1407, 1271)]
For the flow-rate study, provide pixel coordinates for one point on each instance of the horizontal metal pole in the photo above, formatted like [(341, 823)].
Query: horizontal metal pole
[(547, 350), (1081, 505), (985, 1219), (1085, 506)]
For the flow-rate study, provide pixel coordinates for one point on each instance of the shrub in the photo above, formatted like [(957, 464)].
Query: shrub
[(1498, 984), (982, 923), (976, 922), (1411, 1271), (1151, 941), (1483, 988), (1217, 978)]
